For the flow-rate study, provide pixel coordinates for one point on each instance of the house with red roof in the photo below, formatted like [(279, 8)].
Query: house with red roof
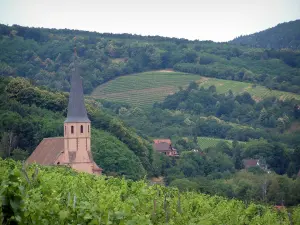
[(164, 146), (250, 163)]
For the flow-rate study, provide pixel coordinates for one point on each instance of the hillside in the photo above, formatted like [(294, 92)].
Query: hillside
[(71, 198), (45, 57), (144, 89), (284, 35), (215, 91)]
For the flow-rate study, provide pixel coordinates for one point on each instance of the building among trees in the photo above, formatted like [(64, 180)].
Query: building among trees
[(164, 146), (74, 149)]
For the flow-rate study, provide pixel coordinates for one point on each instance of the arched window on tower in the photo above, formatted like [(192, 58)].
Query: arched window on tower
[(72, 129), (88, 128), (81, 129)]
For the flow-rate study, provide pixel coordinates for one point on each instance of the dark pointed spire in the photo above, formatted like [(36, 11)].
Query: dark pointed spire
[(76, 108)]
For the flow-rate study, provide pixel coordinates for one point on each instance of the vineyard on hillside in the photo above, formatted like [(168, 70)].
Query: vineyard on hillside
[(47, 195), (258, 92), (144, 89)]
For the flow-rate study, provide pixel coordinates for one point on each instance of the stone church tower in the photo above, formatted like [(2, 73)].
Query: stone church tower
[(74, 149), (77, 129)]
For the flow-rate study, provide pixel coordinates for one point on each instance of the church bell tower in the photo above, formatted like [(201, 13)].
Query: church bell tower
[(77, 129)]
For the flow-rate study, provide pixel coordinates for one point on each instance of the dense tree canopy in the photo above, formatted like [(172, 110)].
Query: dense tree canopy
[(284, 35)]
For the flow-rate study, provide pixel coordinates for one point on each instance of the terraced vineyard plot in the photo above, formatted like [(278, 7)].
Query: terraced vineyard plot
[(258, 92), (144, 89), (141, 98)]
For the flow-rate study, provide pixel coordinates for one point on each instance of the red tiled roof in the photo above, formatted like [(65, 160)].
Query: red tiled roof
[(47, 151), (250, 162), (279, 207), (157, 141), (96, 167), (161, 147)]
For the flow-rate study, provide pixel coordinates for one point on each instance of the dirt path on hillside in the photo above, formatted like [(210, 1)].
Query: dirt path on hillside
[(164, 71)]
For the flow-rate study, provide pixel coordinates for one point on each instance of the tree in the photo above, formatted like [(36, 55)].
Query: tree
[(280, 125), (192, 86), (212, 88), (263, 116), (7, 144), (19, 154), (184, 184)]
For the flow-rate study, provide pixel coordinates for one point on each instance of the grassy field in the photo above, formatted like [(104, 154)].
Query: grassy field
[(146, 88), (206, 142)]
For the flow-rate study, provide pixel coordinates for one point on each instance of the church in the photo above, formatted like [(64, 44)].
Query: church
[(74, 149)]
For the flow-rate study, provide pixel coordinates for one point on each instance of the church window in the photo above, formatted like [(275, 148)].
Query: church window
[(81, 129), (72, 129), (88, 128)]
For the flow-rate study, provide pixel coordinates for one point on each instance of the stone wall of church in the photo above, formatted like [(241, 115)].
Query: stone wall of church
[(78, 141), (83, 167)]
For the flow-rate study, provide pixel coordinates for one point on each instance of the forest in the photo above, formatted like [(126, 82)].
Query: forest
[(35, 68), (45, 57), (284, 35)]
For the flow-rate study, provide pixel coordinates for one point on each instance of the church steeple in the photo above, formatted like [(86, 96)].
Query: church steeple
[(77, 129), (76, 107), (76, 150)]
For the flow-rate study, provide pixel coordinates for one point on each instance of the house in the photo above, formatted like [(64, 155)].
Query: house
[(157, 141), (74, 148), (250, 163), (279, 207), (164, 146)]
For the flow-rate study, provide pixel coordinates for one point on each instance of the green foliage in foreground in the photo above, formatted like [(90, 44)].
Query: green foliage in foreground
[(45, 195)]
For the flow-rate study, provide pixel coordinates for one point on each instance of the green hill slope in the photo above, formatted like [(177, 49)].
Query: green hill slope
[(284, 35), (71, 198), (144, 89), (46, 56)]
